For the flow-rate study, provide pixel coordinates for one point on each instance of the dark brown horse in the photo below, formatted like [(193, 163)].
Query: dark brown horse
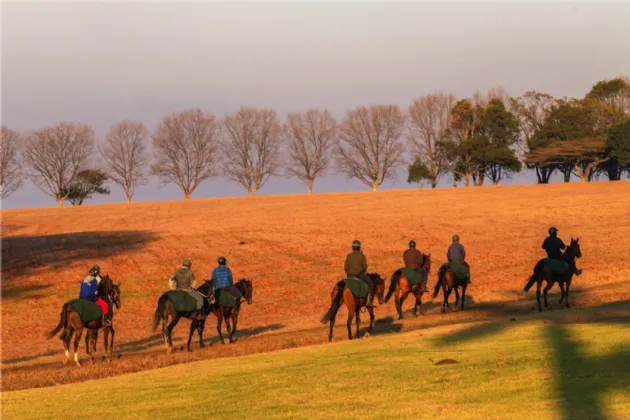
[(342, 294), (401, 286), (246, 288), (449, 282), (542, 272), (70, 321), (166, 309)]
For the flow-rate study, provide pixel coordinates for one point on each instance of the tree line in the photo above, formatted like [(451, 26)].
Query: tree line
[(474, 141)]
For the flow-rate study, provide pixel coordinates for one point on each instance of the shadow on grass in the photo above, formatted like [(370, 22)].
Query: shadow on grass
[(581, 380), (21, 255)]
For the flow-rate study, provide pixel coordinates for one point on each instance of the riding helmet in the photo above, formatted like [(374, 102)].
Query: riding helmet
[(222, 261), (412, 244), (95, 270), (187, 263), (356, 244), (552, 230), (455, 238)]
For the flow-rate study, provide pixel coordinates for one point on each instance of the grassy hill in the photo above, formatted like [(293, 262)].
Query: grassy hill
[(526, 370), (293, 247)]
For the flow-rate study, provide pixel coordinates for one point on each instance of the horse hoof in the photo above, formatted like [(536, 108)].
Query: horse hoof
[(78, 364), (222, 342), (367, 334)]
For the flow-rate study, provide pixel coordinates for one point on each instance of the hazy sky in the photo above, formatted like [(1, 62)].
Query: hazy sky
[(99, 63)]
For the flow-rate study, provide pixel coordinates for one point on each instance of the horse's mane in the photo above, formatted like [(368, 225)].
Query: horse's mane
[(375, 276)]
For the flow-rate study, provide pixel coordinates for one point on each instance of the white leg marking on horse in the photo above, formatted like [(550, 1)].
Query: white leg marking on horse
[(67, 354), (76, 357)]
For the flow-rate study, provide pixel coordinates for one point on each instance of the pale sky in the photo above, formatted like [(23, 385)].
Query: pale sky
[(99, 63)]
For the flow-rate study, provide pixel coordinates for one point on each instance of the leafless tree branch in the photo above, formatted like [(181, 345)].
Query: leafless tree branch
[(56, 154), (10, 171), (185, 147)]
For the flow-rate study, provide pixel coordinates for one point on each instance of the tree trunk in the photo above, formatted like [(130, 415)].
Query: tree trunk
[(376, 184), (128, 196), (310, 185), (467, 180), (187, 195), (60, 201), (433, 184), (250, 192), (495, 182)]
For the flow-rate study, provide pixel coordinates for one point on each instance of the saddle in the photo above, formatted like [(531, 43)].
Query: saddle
[(413, 276), (558, 267), (182, 301), (357, 286)]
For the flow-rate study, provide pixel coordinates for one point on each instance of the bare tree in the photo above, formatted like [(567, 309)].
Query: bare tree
[(252, 147), (126, 156), (56, 154), (498, 92), (309, 137), (427, 128), (185, 147), (10, 171), (369, 145)]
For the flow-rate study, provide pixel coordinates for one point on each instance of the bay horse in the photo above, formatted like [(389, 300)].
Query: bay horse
[(166, 309), (401, 286), (449, 282), (543, 273), (245, 286), (342, 294), (70, 321)]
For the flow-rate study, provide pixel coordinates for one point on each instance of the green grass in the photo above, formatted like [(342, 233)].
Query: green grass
[(505, 371)]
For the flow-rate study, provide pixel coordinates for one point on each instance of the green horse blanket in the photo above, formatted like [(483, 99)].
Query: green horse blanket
[(357, 287), (182, 301), (413, 276), (557, 267), (88, 311), (460, 270)]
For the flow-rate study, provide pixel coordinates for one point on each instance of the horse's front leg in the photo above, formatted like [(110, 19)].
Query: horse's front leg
[(77, 340), (561, 284), (358, 319), (219, 322), (546, 290), (464, 294), (200, 328), (371, 312), (234, 323), (106, 332), (418, 305), (111, 342), (538, 286), (456, 296), (567, 294), (349, 324)]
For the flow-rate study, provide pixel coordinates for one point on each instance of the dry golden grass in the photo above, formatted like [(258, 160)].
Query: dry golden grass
[(293, 247)]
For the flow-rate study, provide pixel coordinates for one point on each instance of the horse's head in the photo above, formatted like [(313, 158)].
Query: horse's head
[(247, 289), (574, 248), (379, 286), (109, 289), (426, 263)]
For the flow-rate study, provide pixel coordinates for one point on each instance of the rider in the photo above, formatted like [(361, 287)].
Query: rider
[(222, 279), (413, 259), (89, 291), (456, 253), (184, 279), (356, 266), (554, 246)]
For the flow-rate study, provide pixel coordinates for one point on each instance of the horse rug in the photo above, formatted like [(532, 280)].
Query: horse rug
[(182, 301), (460, 270), (557, 267), (88, 310), (357, 286), (226, 299), (413, 276)]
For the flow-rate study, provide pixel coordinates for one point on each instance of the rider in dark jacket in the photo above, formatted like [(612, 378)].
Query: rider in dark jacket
[(554, 247)]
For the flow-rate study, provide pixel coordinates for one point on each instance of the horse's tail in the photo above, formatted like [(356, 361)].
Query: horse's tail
[(393, 284), (335, 305), (533, 278), (436, 289), (159, 311), (63, 320)]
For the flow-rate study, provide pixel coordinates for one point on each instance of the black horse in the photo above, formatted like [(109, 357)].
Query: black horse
[(166, 309), (246, 288)]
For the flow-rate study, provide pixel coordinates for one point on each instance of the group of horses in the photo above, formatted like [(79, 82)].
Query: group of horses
[(400, 287)]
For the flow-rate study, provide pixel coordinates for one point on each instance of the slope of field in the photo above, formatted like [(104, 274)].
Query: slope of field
[(293, 247), (529, 370)]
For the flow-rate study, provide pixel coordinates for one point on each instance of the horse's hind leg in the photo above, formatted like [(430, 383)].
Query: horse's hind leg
[(67, 336), (418, 305), (398, 301), (358, 319), (77, 340), (200, 328), (538, 286), (456, 295), (111, 343), (567, 295), (219, 322), (349, 324), (330, 333), (464, 294), (545, 291), (169, 334), (234, 323)]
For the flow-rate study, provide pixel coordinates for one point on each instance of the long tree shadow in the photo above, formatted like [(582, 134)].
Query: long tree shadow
[(23, 255), (581, 379)]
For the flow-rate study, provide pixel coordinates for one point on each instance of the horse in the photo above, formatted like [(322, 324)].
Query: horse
[(246, 288), (166, 309), (70, 321), (449, 282), (400, 285), (342, 294), (542, 272)]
